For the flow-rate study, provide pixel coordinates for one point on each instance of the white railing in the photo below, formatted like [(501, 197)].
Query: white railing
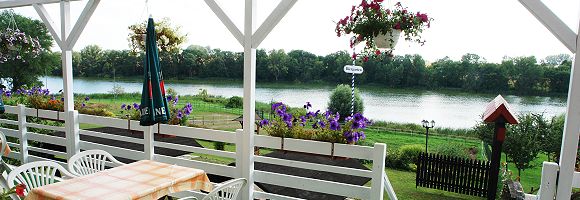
[(73, 143)]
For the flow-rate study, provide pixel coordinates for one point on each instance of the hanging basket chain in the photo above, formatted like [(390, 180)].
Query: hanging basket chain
[(352, 89)]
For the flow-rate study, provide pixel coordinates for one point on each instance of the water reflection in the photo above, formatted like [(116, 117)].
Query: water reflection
[(448, 109)]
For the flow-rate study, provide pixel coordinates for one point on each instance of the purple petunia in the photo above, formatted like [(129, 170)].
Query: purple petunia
[(276, 105), (87, 98), (136, 106), (169, 98), (123, 106), (83, 105), (334, 125), (179, 115), (8, 94), (264, 122), (322, 124), (308, 105)]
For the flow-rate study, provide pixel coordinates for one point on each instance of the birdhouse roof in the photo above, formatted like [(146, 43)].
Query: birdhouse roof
[(499, 110)]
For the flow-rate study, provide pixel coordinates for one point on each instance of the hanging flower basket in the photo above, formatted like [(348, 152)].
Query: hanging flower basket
[(16, 45), (388, 40), (370, 19)]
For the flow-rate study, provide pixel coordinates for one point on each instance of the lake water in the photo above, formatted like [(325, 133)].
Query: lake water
[(448, 109)]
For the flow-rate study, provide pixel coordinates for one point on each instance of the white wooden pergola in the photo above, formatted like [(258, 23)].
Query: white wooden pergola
[(68, 34)]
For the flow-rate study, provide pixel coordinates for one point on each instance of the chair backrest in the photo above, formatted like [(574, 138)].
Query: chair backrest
[(226, 191), (36, 174), (90, 162)]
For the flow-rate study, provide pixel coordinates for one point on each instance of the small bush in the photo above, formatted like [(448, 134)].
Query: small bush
[(340, 101), (451, 150), (219, 145), (235, 102), (408, 154)]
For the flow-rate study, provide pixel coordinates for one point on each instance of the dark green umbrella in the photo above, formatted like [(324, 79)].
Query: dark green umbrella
[(153, 107), (2, 110)]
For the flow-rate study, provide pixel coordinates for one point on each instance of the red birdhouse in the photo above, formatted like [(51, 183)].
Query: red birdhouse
[(498, 110)]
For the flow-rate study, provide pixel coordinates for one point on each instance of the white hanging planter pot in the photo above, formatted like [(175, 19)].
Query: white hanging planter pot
[(388, 40)]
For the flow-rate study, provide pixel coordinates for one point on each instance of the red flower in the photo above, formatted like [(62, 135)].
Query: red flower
[(398, 26), (378, 52), (352, 10), (404, 11), (20, 190), (378, 1), (354, 56), (366, 58)]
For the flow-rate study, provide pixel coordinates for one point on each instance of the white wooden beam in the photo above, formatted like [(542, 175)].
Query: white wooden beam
[(571, 131), (22, 3), (552, 23), (273, 19), (82, 22), (247, 167), (48, 22), (226, 20)]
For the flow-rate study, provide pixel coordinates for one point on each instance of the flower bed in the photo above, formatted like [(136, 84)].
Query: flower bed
[(327, 126)]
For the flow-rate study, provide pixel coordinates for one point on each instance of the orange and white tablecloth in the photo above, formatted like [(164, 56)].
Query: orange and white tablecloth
[(141, 180)]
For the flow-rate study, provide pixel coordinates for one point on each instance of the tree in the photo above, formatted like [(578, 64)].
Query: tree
[(91, 62), (19, 73), (340, 101), (277, 65), (522, 144), (551, 139), (555, 60)]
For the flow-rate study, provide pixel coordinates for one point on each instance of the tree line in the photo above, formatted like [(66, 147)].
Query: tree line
[(521, 75)]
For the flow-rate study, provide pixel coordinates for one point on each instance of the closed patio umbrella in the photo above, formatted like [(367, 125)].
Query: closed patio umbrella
[(153, 107), (2, 109)]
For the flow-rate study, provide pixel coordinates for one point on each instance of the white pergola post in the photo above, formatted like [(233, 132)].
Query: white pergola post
[(66, 40), (572, 125), (250, 40)]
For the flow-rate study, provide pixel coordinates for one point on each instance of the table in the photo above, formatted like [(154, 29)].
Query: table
[(141, 180)]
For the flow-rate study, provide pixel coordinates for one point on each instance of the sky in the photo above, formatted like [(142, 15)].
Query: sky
[(492, 29)]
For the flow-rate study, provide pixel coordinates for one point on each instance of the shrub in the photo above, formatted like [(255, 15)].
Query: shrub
[(451, 150), (340, 101), (219, 145), (235, 102), (408, 154)]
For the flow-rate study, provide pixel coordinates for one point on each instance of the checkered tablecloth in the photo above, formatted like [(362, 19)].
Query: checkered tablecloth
[(139, 180)]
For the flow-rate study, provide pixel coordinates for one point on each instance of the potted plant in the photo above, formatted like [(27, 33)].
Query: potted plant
[(381, 27), (16, 45)]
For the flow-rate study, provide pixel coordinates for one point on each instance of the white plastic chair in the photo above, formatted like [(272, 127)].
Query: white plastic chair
[(224, 191), (3, 166), (90, 162), (36, 174)]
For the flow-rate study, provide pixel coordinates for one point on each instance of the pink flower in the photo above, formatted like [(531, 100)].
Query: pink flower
[(378, 52), (398, 26), (366, 58), (354, 56)]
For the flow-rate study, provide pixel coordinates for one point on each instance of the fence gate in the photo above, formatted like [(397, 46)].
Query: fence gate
[(453, 174)]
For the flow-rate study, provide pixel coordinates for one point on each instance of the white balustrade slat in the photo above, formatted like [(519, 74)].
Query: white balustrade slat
[(11, 109), (47, 151), (46, 114), (353, 151), (210, 168), (46, 127), (12, 144), (112, 136), (314, 166), (46, 139), (265, 195), (197, 133), (310, 184), (33, 158), (115, 151), (267, 141), (200, 150), (9, 132), (576, 180), (6, 121), (308, 146), (14, 155)]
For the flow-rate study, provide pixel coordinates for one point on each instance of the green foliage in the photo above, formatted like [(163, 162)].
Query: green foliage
[(451, 150), (551, 139), (340, 101), (405, 157), (235, 102), (219, 145), (523, 141)]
